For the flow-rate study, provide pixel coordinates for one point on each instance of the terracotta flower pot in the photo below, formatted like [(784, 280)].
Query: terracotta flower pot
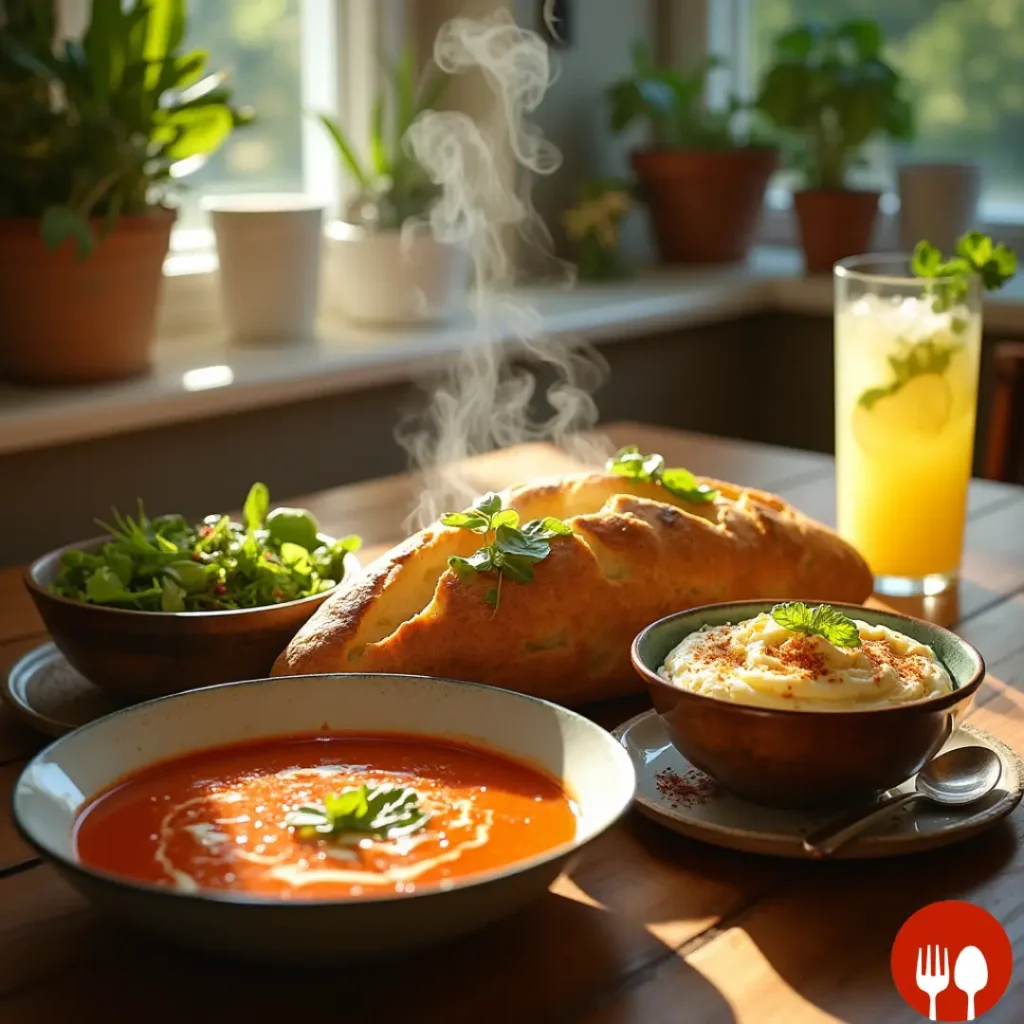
[(70, 321), (705, 204), (834, 225)]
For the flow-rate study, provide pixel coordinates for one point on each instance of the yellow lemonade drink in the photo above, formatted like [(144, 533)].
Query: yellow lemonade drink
[(906, 402)]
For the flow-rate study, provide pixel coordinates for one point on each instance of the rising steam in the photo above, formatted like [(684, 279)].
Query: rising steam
[(485, 172)]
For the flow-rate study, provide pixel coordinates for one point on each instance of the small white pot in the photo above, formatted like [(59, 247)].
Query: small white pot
[(269, 248), (387, 279), (938, 202)]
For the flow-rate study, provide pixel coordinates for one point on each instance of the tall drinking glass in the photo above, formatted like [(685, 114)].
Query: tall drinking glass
[(907, 356)]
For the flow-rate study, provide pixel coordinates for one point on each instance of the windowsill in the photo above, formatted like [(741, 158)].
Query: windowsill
[(197, 374)]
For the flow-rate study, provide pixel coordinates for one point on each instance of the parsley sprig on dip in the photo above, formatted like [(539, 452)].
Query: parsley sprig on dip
[(511, 552), (824, 621), (167, 564), (375, 812), (632, 463)]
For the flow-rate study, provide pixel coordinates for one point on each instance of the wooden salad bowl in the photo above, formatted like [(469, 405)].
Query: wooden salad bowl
[(140, 655)]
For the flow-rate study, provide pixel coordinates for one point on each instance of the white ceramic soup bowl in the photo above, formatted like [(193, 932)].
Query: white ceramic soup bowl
[(56, 784)]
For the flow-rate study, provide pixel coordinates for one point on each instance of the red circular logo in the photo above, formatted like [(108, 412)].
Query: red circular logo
[(952, 961)]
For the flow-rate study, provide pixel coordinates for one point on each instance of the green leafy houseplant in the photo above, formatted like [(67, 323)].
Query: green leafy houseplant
[(672, 103), (704, 174), (94, 135), (831, 91), (391, 185), (110, 121)]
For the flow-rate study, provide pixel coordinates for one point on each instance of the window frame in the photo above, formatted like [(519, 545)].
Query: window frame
[(693, 29), (339, 41)]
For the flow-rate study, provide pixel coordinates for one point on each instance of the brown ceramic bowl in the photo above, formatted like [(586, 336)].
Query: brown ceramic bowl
[(152, 654), (805, 759)]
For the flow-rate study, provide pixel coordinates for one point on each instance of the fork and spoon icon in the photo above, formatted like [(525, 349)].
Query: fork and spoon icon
[(970, 974)]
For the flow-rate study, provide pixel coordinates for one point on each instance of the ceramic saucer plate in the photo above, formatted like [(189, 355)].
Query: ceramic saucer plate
[(677, 795), (47, 693)]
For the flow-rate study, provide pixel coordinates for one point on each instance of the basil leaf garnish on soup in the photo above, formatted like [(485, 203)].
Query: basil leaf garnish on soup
[(378, 812)]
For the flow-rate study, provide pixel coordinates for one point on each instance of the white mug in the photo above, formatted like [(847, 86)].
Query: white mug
[(269, 248)]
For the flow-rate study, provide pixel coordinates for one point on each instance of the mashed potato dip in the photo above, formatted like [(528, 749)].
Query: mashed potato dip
[(763, 663)]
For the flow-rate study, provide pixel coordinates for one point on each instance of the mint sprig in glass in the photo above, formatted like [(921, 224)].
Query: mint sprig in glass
[(907, 355)]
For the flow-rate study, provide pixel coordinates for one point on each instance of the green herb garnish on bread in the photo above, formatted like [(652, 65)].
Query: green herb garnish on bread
[(512, 552), (632, 463)]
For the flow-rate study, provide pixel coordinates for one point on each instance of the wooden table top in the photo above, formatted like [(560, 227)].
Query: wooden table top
[(651, 927)]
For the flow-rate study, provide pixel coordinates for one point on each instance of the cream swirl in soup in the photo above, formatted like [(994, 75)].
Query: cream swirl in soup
[(324, 817), (762, 663)]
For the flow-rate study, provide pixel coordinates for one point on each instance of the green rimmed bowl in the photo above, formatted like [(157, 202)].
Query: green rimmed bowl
[(806, 758)]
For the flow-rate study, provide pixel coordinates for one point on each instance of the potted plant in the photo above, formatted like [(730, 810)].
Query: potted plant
[(92, 137), (378, 273), (831, 92), (703, 180)]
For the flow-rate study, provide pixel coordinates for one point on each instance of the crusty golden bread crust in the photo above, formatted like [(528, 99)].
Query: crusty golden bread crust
[(637, 553)]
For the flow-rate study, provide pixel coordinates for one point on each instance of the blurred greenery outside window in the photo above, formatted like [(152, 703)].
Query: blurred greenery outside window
[(259, 44), (963, 59), (964, 64)]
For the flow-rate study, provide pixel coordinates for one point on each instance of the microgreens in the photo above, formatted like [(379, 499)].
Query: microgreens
[(976, 254), (167, 564), (824, 621), (512, 552), (630, 462), (380, 812)]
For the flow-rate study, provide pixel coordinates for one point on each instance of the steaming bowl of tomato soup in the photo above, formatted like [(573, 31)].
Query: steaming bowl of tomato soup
[(322, 818)]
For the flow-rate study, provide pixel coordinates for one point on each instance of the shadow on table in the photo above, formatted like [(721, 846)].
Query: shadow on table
[(829, 935), (568, 958)]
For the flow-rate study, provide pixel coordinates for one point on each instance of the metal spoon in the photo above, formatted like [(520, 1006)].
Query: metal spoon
[(955, 778)]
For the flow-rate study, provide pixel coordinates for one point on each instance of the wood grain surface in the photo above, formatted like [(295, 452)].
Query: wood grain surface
[(651, 927)]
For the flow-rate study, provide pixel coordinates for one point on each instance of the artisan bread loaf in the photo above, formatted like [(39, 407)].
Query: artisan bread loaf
[(636, 553)]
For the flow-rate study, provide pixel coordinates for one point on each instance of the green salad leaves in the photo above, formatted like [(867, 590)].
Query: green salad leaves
[(630, 462), (166, 564), (824, 621), (511, 552), (377, 812)]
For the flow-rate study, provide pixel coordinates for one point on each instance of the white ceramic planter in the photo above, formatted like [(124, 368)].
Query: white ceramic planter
[(270, 249), (387, 280), (938, 202)]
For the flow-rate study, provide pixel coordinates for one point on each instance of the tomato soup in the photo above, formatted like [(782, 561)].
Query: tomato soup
[(324, 816)]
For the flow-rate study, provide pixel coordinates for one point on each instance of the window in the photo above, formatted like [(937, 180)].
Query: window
[(258, 44), (286, 59), (963, 61)]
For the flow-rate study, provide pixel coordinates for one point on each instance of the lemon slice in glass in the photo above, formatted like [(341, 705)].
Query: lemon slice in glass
[(918, 411)]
